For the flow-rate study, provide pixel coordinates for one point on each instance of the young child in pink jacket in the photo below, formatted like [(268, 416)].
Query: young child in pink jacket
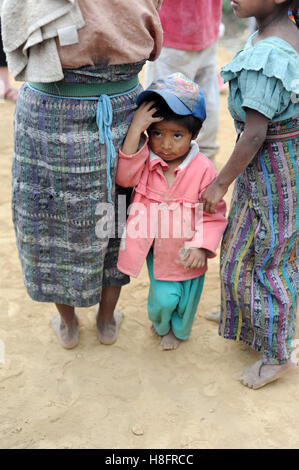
[(166, 224)]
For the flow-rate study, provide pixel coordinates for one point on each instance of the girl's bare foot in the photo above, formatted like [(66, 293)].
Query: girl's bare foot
[(169, 341), (214, 315), (108, 330), (259, 374), (67, 333)]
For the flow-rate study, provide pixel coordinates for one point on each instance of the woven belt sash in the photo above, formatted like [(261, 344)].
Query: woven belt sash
[(100, 92)]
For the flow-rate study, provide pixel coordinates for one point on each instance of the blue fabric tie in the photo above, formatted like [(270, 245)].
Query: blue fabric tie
[(104, 121)]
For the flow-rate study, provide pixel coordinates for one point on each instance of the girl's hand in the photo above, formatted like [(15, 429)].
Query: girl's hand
[(194, 258), (144, 117), (211, 196)]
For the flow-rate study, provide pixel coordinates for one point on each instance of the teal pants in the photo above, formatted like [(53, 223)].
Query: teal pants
[(173, 304)]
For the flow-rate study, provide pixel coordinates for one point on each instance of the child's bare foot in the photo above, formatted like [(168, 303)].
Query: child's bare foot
[(153, 329), (68, 334), (169, 341), (214, 315), (259, 374), (108, 330)]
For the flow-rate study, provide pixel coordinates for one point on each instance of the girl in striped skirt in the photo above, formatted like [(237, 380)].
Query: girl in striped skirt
[(259, 255)]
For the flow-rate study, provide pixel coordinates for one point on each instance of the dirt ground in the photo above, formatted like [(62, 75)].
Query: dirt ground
[(129, 395)]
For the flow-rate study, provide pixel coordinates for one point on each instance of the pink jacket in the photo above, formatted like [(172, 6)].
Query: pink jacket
[(171, 217), (190, 24)]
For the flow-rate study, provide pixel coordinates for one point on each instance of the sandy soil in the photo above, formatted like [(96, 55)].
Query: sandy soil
[(97, 396)]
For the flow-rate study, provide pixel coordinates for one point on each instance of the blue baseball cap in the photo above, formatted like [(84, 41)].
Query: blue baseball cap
[(182, 95)]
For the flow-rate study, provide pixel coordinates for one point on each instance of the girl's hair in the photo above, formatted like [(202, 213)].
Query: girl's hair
[(294, 4), (192, 123)]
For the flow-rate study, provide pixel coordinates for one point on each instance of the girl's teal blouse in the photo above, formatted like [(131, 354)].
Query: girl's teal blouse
[(264, 77)]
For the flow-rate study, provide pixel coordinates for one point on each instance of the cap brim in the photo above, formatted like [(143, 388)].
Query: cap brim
[(175, 104)]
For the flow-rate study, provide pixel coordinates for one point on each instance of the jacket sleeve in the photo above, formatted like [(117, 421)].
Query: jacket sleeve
[(209, 227), (130, 167)]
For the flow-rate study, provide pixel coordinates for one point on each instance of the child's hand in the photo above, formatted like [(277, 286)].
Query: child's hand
[(143, 117), (194, 258)]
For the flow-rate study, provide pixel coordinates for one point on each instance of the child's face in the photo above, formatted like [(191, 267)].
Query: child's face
[(257, 8), (169, 140)]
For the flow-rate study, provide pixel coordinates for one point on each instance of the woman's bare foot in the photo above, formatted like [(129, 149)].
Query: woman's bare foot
[(108, 318), (67, 333), (169, 341), (214, 315), (259, 374), (108, 329)]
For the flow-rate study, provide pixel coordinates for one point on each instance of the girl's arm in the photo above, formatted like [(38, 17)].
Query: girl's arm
[(250, 142)]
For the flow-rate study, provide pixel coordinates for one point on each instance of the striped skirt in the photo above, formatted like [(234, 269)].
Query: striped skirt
[(59, 178), (259, 254)]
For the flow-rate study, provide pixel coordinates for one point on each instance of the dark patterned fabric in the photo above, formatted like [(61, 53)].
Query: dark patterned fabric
[(59, 178), (102, 73)]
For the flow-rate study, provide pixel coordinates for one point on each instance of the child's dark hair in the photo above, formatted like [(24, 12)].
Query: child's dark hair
[(295, 8), (192, 123)]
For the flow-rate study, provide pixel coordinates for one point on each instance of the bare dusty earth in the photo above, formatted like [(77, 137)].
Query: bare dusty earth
[(97, 396)]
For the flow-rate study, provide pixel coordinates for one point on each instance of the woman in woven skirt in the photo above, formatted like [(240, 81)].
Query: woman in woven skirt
[(66, 137), (259, 255)]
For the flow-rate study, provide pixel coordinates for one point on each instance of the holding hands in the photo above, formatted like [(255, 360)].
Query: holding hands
[(212, 196), (250, 142)]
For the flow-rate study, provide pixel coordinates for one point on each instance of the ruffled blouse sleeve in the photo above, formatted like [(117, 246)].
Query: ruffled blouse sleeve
[(262, 78)]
